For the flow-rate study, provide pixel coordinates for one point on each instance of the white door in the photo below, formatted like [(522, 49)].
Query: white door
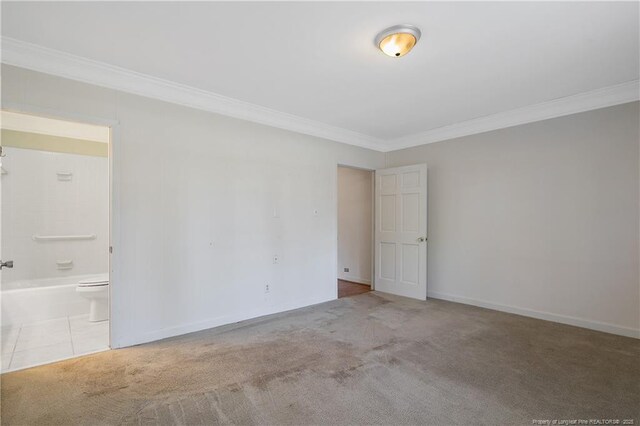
[(401, 231)]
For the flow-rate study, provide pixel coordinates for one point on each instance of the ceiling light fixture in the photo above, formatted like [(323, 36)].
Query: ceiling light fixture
[(398, 40)]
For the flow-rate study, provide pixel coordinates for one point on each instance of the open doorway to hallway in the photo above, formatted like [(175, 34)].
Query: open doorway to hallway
[(355, 231)]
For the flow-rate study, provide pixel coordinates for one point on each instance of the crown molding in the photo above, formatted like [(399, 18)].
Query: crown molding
[(594, 99), (50, 61)]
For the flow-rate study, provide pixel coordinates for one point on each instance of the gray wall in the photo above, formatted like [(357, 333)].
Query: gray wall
[(540, 219)]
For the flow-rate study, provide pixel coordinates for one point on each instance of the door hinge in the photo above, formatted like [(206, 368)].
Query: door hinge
[(110, 249)]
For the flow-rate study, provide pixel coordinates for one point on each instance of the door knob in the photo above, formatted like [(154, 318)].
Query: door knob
[(7, 264), (422, 239)]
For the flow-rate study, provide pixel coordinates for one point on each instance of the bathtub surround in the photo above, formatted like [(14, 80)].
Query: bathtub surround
[(48, 194)]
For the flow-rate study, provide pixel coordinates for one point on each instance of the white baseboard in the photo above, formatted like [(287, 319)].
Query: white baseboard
[(354, 279), (548, 316), (215, 322), (269, 310)]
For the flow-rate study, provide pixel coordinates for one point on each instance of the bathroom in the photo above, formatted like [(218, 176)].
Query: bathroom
[(54, 239)]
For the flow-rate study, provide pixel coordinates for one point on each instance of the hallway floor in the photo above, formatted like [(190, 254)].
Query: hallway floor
[(367, 359), (349, 288)]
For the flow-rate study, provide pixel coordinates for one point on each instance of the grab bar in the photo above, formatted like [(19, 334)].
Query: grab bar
[(63, 237)]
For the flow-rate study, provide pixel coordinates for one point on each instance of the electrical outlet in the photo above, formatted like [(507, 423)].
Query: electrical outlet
[(346, 269), (266, 288), (276, 259)]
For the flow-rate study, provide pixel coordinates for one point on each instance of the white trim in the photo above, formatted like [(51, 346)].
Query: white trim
[(37, 58), (587, 101), (548, 316), (192, 327)]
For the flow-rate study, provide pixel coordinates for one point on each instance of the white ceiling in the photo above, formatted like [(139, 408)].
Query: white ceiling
[(317, 60)]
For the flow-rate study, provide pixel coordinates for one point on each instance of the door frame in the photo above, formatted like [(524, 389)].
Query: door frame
[(114, 211), (373, 222)]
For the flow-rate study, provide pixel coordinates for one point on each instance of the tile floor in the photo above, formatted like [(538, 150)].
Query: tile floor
[(41, 342)]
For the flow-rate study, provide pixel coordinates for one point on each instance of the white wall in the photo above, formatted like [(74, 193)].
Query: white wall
[(35, 202), (540, 219), (194, 200), (355, 227)]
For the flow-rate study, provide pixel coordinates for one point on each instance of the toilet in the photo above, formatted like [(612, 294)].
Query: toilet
[(96, 290)]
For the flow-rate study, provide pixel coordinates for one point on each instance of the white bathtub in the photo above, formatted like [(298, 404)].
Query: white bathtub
[(42, 299)]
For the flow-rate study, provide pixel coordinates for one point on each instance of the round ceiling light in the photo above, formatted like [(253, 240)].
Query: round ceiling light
[(398, 40)]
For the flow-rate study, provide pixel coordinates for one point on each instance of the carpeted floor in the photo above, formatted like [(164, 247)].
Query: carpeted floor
[(367, 359)]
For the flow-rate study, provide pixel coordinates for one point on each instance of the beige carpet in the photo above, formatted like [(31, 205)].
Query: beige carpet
[(368, 359)]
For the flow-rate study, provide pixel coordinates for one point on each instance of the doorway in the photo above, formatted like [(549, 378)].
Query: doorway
[(355, 231), (54, 239)]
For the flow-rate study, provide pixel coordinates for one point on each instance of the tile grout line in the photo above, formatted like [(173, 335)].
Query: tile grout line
[(15, 345), (73, 351)]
